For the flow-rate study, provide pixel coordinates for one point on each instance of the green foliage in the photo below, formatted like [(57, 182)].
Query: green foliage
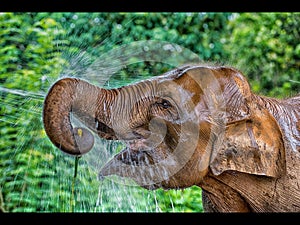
[(266, 46), (185, 200), (28, 51), (29, 61), (93, 35), (38, 48), (27, 55)]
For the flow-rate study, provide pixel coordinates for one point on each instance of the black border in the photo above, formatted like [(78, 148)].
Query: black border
[(148, 218), (150, 6)]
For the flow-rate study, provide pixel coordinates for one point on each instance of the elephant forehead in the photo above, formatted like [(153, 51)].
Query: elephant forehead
[(176, 91)]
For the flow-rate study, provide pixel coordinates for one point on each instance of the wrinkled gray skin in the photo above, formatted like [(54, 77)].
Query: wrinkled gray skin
[(195, 125)]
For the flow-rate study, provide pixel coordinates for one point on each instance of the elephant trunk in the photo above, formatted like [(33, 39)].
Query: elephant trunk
[(83, 100)]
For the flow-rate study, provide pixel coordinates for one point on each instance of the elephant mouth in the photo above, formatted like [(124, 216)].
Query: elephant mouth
[(147, 159), (134, 156), (136, 161), (136, 153), (138, 145)]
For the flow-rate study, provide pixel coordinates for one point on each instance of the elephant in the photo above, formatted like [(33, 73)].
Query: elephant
[(193, 125)]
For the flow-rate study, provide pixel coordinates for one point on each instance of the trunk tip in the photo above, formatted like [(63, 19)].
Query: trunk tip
[(84, 140)]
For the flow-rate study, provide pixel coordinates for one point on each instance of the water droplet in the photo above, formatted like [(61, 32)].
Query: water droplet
[(146, 48)]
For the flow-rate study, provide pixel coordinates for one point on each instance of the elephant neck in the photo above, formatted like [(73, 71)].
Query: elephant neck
[(287, 114)]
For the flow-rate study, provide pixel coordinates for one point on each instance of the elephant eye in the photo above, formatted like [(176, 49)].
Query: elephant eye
[(164, 103)]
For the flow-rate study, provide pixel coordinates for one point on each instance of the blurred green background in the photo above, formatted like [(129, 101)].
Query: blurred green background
[(38, 48)]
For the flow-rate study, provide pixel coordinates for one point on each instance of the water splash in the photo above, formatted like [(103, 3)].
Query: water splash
[(53, 170), (104, 196)]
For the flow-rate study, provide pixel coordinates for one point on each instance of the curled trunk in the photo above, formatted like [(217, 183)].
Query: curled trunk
[(79, 97)]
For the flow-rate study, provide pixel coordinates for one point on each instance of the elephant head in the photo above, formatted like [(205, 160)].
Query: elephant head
[(177, 127)]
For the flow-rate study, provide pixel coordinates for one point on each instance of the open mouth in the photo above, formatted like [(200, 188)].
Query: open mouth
[(144, 160), (138, 145), (132, 162), (136, 153)]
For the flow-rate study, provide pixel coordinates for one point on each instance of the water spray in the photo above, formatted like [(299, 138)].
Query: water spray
[(73, 182)]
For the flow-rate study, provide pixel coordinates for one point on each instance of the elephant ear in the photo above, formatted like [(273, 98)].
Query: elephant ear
[(253, 141)]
